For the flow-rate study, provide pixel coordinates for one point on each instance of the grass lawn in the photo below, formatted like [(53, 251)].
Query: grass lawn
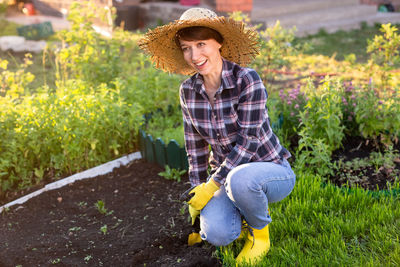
[(341, 43), (44, 74), (7, 28), (325, 226)]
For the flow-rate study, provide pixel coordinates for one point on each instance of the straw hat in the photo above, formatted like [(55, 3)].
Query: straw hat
[(240, 44)]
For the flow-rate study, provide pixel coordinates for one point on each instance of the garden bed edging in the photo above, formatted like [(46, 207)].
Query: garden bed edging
[(90, 173)]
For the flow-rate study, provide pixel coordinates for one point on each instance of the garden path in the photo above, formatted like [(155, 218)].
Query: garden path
[(307, 15)]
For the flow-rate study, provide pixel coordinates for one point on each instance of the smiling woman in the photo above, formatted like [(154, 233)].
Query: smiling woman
[(224, 107), (201, 50)]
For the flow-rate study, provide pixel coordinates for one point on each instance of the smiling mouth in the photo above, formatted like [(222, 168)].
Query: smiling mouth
[(200, 63)]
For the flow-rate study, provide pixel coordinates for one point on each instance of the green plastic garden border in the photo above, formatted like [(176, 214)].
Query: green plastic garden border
[(36, 31), (375, 194), (156, 151)]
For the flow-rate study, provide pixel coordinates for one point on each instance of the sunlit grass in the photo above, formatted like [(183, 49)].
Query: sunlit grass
[(325, 226), (7, 27), (341, 43)]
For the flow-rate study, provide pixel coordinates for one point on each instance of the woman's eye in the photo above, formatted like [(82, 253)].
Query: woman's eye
[(184, 49), (201, 44)]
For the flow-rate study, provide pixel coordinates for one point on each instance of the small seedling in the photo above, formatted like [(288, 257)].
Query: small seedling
[(87, 258), (74, 229), (103, 229), (55, 261), (172, 174), (82, 204), (183, 209), (100, 205)]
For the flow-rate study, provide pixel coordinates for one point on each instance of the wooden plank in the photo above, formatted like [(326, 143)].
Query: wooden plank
[(160, 152), (174, 155)]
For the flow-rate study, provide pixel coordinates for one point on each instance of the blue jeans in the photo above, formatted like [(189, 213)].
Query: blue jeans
[(246, 193)]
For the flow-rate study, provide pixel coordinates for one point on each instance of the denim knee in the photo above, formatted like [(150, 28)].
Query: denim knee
[(219, 235), (237, 187)]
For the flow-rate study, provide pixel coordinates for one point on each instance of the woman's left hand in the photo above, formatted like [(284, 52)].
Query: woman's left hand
[(202, 194)]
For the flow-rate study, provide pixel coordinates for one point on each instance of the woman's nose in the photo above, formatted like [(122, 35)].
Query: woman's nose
[(195, 54)]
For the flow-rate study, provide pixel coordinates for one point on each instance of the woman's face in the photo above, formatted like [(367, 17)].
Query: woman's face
[(202, 55)]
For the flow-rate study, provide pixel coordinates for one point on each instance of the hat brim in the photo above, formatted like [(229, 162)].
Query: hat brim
[(240, 45)]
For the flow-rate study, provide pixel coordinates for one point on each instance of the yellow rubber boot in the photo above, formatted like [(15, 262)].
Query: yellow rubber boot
[(243, 232), (255, 246)]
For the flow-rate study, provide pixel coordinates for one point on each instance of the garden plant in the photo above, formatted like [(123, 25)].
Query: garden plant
[(340, 120)]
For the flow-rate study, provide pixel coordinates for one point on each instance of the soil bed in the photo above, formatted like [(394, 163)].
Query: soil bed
[(366, 165), (144, 224)]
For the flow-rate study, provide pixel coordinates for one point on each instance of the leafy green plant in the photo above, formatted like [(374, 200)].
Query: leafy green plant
[(15, 84), (358, 170), (276, 48), (292, 103), (172, 174), (350, 96), (3, 7), (104, 229), (314, 154), (378, 114), (101, 207), (86, 54), (322, 115), (386, 159), (64, 132), (384, 48), (384, 51), (167, 125), (87, 258), (55, 261)]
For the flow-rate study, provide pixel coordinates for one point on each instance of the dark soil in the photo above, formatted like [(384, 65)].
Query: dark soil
[(368, 177), (144, 224)]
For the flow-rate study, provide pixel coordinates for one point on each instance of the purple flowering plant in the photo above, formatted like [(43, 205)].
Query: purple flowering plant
[(291, 103), (349, 98), (378, 114), (322, 115)]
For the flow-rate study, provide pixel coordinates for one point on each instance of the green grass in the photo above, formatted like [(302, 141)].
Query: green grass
[(324, 226), (341, 43), (8, 28), (44, 74)]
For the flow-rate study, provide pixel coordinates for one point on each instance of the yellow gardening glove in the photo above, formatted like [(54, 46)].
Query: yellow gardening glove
[(202, 194), (193, 213)]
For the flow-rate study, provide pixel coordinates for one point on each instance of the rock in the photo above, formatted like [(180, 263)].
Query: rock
[(20, 44), (9, 42)]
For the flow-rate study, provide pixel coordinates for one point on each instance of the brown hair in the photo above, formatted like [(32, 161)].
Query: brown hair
[(197, 33)]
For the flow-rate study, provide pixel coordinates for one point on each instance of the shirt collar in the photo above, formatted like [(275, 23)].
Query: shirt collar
[(226, 77)]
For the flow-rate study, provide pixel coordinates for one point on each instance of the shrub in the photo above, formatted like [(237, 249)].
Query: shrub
[(87, 55), (378, 114), (54, 134), (322, 115)]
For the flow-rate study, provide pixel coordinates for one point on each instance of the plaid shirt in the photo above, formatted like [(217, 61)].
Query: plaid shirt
[(237, 128)]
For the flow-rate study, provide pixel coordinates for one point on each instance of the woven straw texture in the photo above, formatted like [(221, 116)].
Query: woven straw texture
[(241, 45)]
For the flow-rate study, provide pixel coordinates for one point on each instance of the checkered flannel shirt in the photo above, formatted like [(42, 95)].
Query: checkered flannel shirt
[(237, 128)]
